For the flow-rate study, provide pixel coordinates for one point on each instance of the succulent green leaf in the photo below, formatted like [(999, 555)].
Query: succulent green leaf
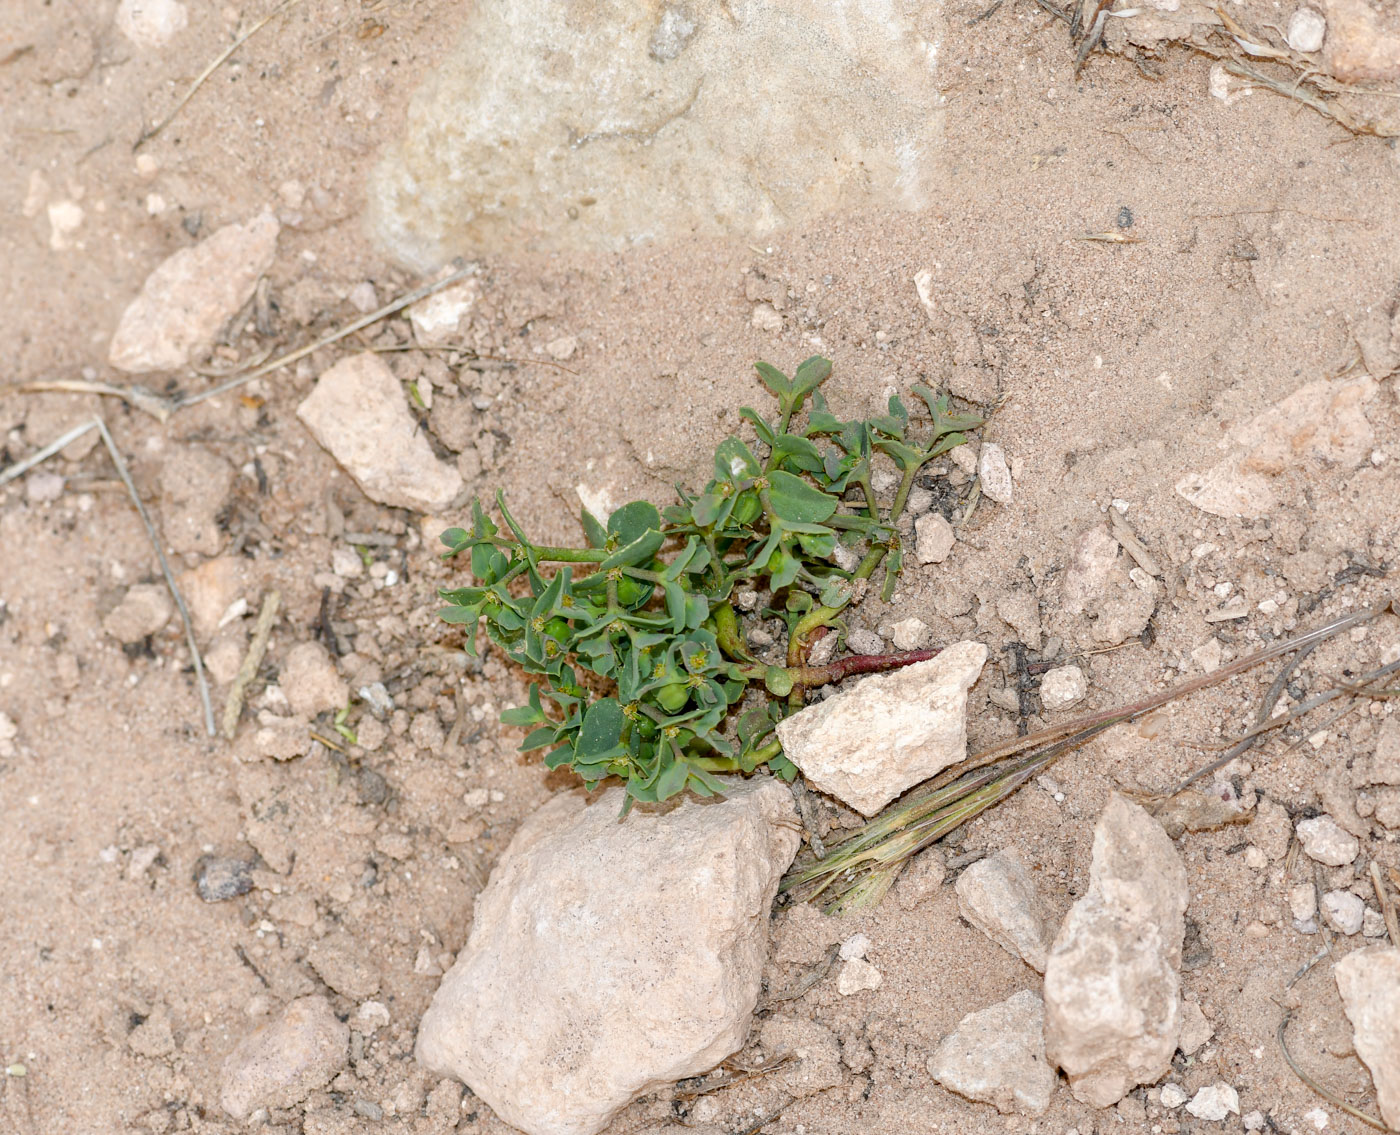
[(797, 501)]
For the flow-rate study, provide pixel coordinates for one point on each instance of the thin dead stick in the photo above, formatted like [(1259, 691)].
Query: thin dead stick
[(262, 631), (101, 427), (151, 132), (1335, 1101), (1392, 921)]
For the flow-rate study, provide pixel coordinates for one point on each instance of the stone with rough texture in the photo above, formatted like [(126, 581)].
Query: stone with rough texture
[(1214, 1102), (1307, 28), (191, 295), (997, 1056), (284, 1061), (1343, 911), (998, 896), (1363, 41), (600, 126), (867, 744), (151, 23), (1112, 982), (857, 976), (1062, 687), (992, 471), (1195, 1028), (1320, 424), (933, 539), (341, 964), (1324, 840), (1384, 765), (437, 320), (310, 681), (144, 609), (1369, 981), (608, 957), (358, 413)]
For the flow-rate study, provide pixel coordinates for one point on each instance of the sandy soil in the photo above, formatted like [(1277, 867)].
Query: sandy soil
[(1268, 243)]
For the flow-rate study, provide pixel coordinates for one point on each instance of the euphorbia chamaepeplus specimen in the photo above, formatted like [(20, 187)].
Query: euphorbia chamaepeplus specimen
[(648, 605)]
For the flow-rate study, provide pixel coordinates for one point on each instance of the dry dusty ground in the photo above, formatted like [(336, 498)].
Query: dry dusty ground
[(1269, 244)]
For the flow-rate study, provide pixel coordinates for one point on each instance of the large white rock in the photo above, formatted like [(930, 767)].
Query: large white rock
[(190, 296), (869, 743), (997, 895), (997, 1056), (1369, 981), (358, 413), (1112, 981), (607, 958), (605, 124)]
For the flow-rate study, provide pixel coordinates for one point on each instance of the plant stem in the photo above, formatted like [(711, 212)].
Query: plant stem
[(559, 555), (858, 664)]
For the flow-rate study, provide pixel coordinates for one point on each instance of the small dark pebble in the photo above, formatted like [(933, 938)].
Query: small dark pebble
[(218, 879), (373, 788), (1125, 218)]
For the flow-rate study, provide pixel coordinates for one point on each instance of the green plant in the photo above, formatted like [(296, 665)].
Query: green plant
[(652, 616)]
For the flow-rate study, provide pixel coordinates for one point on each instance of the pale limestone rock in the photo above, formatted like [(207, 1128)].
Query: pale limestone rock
[(992, 471), (933, 539), (869, 743), (1062, 687), (340, 962), (1214, 1102), (1343, 912), (1112, 986), (358, 413), (997, 1056), (910, 634), (1019, 609), (921, 879), (857, 976), (1321, 423), (766, 318), (191, 295), (209, 590), (1086, 576), (144, 610), (1195, 1029), (557, 126), (1369, 981), (438, 320), (1325, 841), (310, 681), (281, 1063), (1307, 28), (998, 896), (608, 957), (151, 23), (1097, 584)]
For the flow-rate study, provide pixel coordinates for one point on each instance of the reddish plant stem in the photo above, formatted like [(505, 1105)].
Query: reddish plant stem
[(857, 664)]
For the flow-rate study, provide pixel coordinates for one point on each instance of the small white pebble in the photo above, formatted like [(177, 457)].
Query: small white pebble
[(1306, 30)]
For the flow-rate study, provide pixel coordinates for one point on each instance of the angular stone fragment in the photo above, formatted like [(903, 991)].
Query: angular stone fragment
[(1112, 983), (869, 743), (1321, 422), (191, 295), (358, 413), (343, 965), (997, 1056), (1324, 840), (1214, 1102), (610, 957), (284, 1061), (994, 474), (1061, 687), (310, 681), (144, 609), (1369, 981), (997, 895), (933, 539)]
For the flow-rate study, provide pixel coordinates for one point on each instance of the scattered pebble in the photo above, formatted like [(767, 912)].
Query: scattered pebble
[(857, 976), (1062, 687), (919, 501), (1173, 1096), (310, 681), (766, 318), (1254, 1121), (1307, 28), (363, 298), (346, 562), (189, 297), (562, 348), (358, 413), (144, 610), (1343, 912), (1302, 901), (862, 641), (997, 1056), (998, 897), (437, 320), (856, 946), (934, 538), (994, 474), (1195, 1029), (341, 964), (1215, 1102), (285, 1060), (910, 634), (1324, 840), (219, 878), (43, 487), (151, 23)]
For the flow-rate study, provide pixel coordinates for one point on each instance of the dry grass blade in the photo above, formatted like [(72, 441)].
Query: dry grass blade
[(262, 631), (151, 132), (738, 1077), (860, 870), (1392, 921)]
